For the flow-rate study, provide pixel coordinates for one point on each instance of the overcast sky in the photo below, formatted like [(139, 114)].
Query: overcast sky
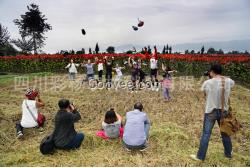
[(109, 21)]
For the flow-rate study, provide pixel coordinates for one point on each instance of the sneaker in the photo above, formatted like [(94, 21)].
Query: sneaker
[(127, 149), (20, 135), (144, 149), (194, 157), (229, 156)]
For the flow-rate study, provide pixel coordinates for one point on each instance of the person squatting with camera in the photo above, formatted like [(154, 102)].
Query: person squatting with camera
[(31, 117)]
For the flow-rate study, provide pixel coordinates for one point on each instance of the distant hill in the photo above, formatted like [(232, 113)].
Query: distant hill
[(239, 45)]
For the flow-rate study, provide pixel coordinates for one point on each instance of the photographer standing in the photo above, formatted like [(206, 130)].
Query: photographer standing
[(65, 136), (213, 91)]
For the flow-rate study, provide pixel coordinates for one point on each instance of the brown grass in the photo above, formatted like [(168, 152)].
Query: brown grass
[(175, 131)]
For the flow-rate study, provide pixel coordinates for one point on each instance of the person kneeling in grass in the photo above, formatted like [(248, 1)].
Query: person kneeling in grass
[(112, 126), (136, 130), (65, 136)]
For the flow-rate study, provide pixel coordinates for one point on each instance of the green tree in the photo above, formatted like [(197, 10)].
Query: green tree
[(149, 50), (24, 45), (220, 51), (111, 49), (211, 51), (167, 48), (202, 50), (187, 51), (90, 51), (33, 25), (97, 48), (170, 50), (164, 50), (4, 35), (192, 52), (5, 47)]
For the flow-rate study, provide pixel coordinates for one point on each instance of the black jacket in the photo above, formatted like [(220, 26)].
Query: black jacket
[(64, 127)]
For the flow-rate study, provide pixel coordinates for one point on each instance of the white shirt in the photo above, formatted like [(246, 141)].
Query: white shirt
[(153, 63), (72, 67), (212, 88), (118, 71), (27, 120), (100, 66)]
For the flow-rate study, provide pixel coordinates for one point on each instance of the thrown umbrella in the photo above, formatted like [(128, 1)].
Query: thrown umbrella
[(135, 28), (141, 23), (83, 32)]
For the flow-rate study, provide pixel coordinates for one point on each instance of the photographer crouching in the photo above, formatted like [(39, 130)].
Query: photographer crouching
[(65, 136)]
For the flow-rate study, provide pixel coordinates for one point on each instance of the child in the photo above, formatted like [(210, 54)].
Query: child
[(112, 126), (99, 63), (167, 81), (118, 71)]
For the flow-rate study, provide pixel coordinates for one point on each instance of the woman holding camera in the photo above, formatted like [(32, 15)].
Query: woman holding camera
[(65, 136), (30, 106)]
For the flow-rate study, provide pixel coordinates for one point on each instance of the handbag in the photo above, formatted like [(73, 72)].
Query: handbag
[(229, 125), (47, 145), (40, 117)]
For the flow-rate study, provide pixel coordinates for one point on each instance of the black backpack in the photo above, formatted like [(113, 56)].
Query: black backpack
[(47, 145)]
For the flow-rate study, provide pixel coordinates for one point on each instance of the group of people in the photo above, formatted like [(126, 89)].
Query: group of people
[(134, 131), (138, 76)]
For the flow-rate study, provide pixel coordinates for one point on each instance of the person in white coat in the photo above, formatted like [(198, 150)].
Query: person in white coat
[(72, 69)]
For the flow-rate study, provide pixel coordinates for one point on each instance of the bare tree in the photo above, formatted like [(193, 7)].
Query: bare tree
[(4, 35)]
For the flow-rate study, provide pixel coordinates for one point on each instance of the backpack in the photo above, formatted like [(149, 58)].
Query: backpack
[(47, 145)]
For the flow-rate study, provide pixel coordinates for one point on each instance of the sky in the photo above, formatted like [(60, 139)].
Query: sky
[(109, 22)]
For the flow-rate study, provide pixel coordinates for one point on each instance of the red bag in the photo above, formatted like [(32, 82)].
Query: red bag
[(40, 119)]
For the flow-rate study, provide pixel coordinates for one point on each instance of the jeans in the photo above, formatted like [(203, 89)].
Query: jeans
[(144, 145), (90, 76), (166, 93), (209, 121), (76, 142), (72, 76)]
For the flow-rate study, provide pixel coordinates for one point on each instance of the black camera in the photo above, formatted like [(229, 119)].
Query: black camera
[(207, 74)]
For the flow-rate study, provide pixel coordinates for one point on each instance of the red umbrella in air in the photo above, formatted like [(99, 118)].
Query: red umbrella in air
[(141, 23)]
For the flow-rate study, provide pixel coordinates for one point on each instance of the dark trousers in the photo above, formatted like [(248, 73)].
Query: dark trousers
[(100, 75), (76, 142), (19, 127), (209, 121), (109, 79)]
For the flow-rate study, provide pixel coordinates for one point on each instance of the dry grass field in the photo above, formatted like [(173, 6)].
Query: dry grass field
[(174, 134)]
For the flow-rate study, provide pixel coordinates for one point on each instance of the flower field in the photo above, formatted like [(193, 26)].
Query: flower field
[(236, 66)]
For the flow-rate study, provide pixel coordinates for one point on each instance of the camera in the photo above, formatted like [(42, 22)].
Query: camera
[(207, 73)]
